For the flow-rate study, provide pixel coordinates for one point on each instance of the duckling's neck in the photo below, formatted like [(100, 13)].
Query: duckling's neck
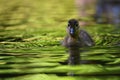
[(74, 37), (73, 41)]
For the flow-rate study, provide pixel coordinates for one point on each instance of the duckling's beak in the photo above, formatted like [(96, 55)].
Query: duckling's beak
[(72, 31)]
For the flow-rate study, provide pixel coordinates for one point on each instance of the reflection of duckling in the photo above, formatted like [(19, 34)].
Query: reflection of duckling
[(75, 36)]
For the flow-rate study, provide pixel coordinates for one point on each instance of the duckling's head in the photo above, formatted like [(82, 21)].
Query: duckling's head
[(73, 28)]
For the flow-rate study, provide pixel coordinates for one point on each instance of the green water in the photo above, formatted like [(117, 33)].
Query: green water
[(30, 43), (47, 63)]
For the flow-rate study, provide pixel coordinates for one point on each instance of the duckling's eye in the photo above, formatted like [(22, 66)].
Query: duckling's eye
[(68, 25), (76, 24)]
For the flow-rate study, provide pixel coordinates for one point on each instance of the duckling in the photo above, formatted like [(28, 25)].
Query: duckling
[(76, 37)]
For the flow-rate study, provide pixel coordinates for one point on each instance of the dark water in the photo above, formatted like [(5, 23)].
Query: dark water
[(99, 63)]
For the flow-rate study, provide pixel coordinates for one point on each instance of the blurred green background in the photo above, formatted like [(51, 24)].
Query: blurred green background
[(38, 22)]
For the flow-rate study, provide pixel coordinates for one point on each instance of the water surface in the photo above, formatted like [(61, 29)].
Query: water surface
[(100, 63)]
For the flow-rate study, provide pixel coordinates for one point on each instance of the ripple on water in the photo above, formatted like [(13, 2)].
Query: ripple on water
[(93, 62)]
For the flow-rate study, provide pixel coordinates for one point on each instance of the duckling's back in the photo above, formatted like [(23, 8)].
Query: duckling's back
[(86, 38)]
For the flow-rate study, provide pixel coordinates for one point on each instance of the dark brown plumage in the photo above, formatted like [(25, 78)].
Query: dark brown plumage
[(76, 37)]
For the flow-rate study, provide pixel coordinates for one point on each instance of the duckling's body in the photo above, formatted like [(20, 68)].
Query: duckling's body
[(76, 37)]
